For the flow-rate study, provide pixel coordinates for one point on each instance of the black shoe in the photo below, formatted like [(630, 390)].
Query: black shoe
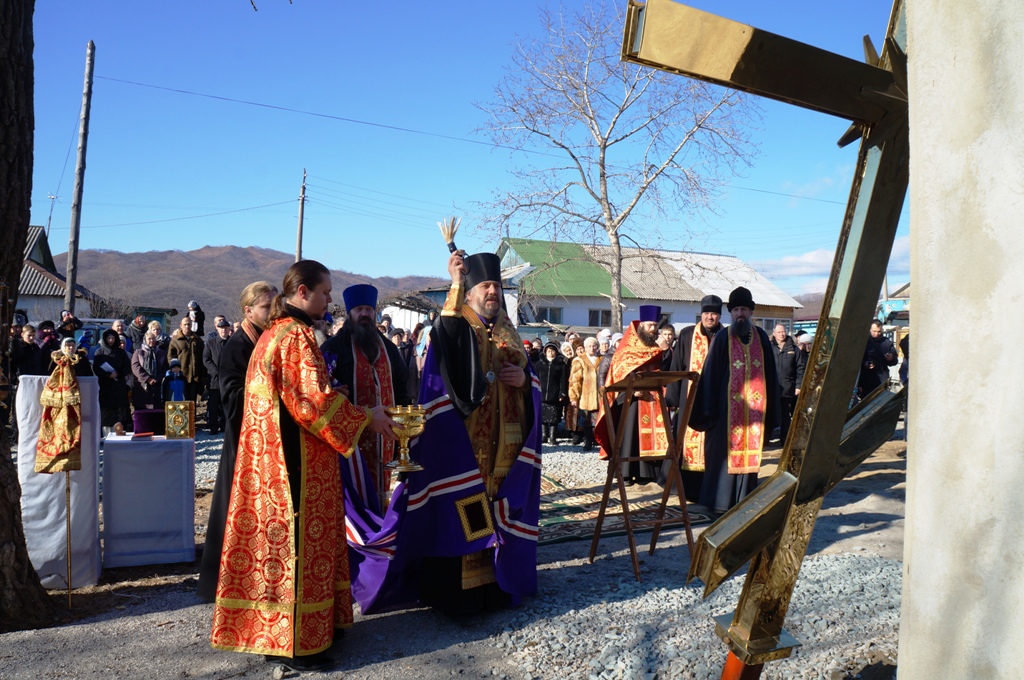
[(629, 482), (313, 663)]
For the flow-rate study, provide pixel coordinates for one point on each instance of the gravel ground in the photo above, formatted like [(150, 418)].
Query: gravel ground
[(588, 620)]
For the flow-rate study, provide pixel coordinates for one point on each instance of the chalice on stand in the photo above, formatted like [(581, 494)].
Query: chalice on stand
[(411, 420)]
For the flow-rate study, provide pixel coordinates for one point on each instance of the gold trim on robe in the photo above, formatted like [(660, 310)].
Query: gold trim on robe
[(272, 599), (633, 355), (748, 399), (693, 440)]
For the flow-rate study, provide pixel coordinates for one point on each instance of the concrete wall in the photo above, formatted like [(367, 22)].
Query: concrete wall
[(963, 585)]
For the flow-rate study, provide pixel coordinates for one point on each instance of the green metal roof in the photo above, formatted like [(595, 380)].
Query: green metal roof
[(562, 269)]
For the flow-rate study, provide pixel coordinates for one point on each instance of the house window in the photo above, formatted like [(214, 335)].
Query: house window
[(666, 318), (599, 317), (549, 314)]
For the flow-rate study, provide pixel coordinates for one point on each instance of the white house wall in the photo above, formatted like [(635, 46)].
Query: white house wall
[(576, 310), (42, 308)]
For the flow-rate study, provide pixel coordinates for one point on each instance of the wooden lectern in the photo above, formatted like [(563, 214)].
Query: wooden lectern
[(637, 385)]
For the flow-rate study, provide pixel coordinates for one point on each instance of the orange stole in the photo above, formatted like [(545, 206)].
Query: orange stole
[(59, 447), (748, 398), (374, 387), (271, 599), (693, 440), (633, 355)]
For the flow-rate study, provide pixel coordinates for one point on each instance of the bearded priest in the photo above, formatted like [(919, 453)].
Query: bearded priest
[(737, 406)]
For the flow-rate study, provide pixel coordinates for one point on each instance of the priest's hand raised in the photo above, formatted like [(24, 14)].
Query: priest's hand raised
[(457, 266), (382, 423)]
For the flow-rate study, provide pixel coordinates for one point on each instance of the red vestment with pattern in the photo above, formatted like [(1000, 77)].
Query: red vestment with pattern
[(633, 355), (284, 579)]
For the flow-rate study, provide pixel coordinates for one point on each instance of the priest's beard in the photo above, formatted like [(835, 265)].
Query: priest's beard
[(365, 337), (649, 339), (740, 328)]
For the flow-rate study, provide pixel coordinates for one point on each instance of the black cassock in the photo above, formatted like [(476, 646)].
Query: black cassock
[(721, 490), (233, 365)]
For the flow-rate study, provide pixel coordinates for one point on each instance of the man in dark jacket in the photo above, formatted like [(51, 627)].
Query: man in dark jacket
[(879, 355), (136, 331), (790, 363), (187, 347), (211, 359)]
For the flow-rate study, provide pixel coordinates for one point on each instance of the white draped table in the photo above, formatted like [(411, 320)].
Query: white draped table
[(43, 503)]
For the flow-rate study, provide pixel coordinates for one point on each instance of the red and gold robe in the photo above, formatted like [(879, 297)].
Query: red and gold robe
[(372, 386), (693, 440), (633, 355), (284, 579)]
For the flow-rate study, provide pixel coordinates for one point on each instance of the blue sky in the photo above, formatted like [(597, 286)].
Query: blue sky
[(171, 170)]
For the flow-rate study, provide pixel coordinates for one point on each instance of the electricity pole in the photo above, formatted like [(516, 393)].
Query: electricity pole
[(76, 205), (302, 204)]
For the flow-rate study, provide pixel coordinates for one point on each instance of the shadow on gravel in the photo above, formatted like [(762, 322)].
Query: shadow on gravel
[(853, 525), (120, 591), (854, 490)]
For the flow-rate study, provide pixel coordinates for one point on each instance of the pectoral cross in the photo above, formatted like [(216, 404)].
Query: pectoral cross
[(772, 526)]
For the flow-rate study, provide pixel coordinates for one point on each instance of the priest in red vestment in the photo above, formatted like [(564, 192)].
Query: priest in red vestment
[(645, 426), (284, 579), (737, 406)]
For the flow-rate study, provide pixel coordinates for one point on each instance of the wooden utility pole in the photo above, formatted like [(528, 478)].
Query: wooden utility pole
[(302, 204), (76, 205)]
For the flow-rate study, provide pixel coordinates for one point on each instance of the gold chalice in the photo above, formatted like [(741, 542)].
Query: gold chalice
[(411, 420)]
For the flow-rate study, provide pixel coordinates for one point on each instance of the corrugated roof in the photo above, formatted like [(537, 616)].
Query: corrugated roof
[(37, 247), (720, 274), (36, 280), (571, 270), (562, 269), (650, 276)]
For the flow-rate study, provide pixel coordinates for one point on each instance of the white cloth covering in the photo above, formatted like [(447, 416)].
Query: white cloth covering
[(43, 504), (148, 501)]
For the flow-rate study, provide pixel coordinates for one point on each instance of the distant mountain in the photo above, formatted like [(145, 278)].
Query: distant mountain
[(812, 306), (213, 276)]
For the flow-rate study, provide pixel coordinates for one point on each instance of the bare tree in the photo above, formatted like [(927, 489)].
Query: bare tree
[(23, 602), (618, 141)]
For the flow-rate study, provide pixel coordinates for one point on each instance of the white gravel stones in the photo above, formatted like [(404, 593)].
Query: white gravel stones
[(845, 611), (208, 449), (572, 466)]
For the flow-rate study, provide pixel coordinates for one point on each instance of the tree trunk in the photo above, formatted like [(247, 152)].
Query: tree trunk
[(616, 272), (23, 601)]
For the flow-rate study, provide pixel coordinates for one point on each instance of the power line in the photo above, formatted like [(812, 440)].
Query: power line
[(344, 119), (187, 217), (382, 193), (779, 193), (398, 128)]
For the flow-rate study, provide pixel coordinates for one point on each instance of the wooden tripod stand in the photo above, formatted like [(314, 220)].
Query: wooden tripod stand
[(636, 385)]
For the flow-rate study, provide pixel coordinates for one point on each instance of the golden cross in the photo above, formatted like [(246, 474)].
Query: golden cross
[(772, 526)]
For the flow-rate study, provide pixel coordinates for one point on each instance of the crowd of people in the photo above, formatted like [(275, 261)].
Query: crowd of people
[(303, 392)]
